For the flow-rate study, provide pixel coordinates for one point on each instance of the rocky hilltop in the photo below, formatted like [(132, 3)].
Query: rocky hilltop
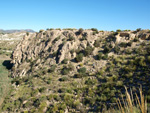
[(53, 46)]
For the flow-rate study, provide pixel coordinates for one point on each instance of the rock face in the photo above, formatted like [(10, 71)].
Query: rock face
[(53, 46)]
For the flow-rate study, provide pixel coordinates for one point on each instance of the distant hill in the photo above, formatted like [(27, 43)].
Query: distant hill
[(16, 30)]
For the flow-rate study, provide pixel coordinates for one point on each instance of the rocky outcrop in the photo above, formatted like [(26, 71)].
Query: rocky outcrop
[(53, 46)]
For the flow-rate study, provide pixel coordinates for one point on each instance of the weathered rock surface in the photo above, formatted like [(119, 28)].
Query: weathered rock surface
[(53, 46)]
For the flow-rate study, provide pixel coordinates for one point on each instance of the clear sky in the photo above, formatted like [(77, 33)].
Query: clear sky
[(101, 14)]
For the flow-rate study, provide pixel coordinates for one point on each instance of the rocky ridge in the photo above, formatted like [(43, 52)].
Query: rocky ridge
[(53, 46)]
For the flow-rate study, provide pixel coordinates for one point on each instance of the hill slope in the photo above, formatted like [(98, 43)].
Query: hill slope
[(77, 70)]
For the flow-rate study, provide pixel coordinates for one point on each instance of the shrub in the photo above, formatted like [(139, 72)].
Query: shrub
[(118, 30), (106, 49), (90, 81), (58, 29), (136, 39), (63, 79), (72, 51), (34, 92), (99, 56), (56, 39), (70, 67), (148, 58), (79, 75), (128, 51), (94, 29), (42, 90), (27, 33), (129, 43), (116, 49), (65, 71), (83, 38), (52, 69), (51, 29), (71, 38), (79, 57), (119, 83), (97, 43), (88, 51), (54, 54), (82, 70), (65, 61), (36, 103), (80, 31), (138, 29), (105, 57), (41, 30), (123, 44)]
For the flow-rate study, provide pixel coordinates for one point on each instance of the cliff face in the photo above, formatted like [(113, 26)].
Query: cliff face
[(53, 46)]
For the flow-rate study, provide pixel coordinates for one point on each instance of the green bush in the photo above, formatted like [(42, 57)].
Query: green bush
[(65, 71), (79, 75), (79, 57), (136, 39), (94, 30), (80, 31), (71, 38), (63, 79), (42, 90), (56, 39), (105, 57), (138, 29), (99, 56), (54, 54), (148, 58), (83, 38), (82, 70), (65, 61), (88, 51), (52, 69), (97, 43), (90, 81), (27, 33), (123, 44), (116, 49), (118, 30), (41, 30), (106, 49)]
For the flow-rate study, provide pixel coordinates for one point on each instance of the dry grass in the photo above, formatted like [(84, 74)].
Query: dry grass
[(131, 105)]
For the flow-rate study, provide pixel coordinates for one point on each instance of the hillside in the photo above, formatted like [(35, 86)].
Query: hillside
[(16, 31), (74, 70)]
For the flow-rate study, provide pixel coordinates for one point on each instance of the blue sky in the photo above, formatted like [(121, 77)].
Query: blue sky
[(101, 14)]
